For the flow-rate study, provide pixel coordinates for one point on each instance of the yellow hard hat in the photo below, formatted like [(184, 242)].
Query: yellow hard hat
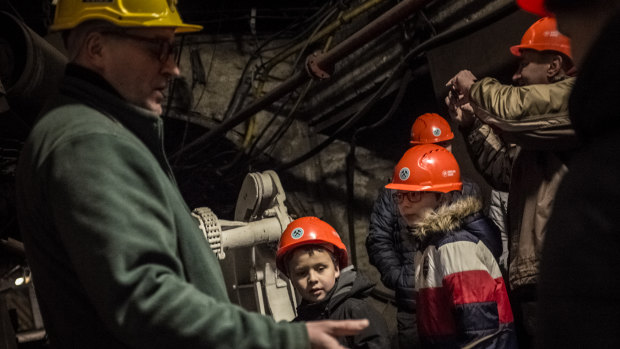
[(123, 13)]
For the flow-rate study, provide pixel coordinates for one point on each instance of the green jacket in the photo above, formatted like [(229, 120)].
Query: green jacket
[(117, 259), (535, 118)]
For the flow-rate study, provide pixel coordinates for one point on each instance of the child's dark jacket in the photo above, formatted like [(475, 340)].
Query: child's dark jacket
[(347, 300)]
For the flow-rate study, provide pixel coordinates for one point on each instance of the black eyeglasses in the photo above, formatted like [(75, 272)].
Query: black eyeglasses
[(412, 196), (162, 49)]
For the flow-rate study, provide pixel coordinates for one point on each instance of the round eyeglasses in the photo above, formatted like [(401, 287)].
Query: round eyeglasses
[(412, 196), (162, 49)]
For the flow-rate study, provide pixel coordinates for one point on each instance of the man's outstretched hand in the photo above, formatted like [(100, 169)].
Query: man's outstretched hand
[(462, 113), (323, 333), (462, 82), (457, 100)]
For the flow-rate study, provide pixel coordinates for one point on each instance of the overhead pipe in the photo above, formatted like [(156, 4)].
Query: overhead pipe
[(318, 66), (328, 30), (35, 67)]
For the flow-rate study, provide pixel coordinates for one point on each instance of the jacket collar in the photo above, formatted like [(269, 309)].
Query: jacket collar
[(450, 217), (93, 90), (349, 284), (90, 88)]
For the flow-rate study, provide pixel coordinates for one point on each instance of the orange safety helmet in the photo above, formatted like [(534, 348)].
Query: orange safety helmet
[(427, 167), (310, 230), (536, 7), (543, 35), (430, 128)]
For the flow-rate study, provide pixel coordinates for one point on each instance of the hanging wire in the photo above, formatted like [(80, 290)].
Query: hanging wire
[(290, 117), (448, 36), (351, 160), (276, 136), (202, 93)]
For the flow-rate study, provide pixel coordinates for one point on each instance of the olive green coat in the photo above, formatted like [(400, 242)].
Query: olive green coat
[(117, 259)]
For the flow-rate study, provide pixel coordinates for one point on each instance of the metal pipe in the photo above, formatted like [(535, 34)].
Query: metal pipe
[(258, 105), (252, 234), (375, 28), (328, 30), (324, 62)]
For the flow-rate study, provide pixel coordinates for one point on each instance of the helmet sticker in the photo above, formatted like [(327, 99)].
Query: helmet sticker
[(436, 132), (297, 233), (448, 173), (404, 174)]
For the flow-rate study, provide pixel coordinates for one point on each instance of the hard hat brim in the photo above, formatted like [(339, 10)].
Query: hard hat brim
[(516, 50), (443, 188)]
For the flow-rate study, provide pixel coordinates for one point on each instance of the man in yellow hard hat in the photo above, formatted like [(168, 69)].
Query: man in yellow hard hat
[(118, 260)]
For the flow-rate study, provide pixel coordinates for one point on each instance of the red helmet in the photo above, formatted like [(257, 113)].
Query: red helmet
[(430, 128), (536, 7), (427, 167), (310, 230), (543, 35)]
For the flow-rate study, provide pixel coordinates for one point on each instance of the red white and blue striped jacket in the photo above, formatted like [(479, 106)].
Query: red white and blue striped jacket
[(461, 295)]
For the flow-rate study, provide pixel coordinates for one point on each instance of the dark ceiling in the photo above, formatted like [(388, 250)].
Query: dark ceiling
[(247, 17)]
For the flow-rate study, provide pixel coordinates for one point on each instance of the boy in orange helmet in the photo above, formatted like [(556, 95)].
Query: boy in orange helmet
[(314, 258)]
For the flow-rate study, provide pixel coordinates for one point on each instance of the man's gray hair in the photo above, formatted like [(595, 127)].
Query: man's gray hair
[(74, 39)]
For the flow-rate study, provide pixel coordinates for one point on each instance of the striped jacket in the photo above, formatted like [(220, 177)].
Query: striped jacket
[(461, 295)]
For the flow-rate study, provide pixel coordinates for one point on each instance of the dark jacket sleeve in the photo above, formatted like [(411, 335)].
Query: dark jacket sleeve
[(471, 188), (375, 336), (491, 155), (381, 244)]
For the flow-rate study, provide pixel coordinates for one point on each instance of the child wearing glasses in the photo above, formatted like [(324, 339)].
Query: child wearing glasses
[(460, 293), (392, 253)]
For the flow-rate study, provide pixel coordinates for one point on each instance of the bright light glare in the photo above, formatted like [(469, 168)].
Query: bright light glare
[(19, 281)]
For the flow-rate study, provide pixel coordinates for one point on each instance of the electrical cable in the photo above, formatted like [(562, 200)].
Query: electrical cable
[(365, 109), (398, 12), (442, 38), (433, 42), (204, 88), (351, 161), (282, 130), (276, 136), (236, 101), (313, 24), (290, 118), (14, 10)]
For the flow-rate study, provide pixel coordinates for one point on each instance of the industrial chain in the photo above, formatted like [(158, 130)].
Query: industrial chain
[(211, 229)]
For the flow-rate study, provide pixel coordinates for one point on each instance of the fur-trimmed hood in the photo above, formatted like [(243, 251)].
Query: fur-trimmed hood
[(448, 217), (463, 214)]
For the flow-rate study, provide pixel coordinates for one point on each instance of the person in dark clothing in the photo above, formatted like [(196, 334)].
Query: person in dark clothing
[(392, 254), (579, 292), (314, 258)]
